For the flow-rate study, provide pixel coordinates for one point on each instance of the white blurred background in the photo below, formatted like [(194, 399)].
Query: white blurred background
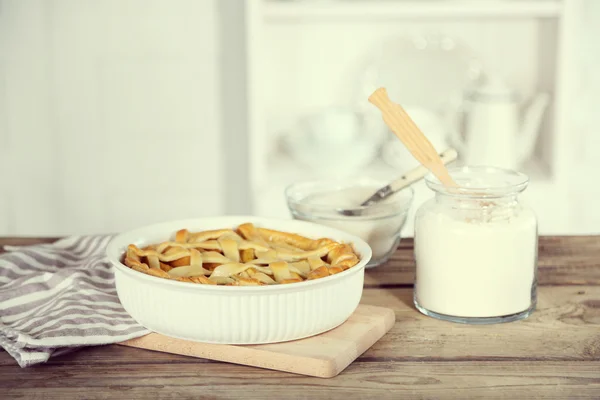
[(120, 113)]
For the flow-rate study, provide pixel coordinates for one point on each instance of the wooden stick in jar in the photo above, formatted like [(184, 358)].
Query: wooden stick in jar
[(409, 133)]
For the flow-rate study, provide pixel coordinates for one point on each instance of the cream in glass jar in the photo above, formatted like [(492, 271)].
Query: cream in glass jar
[(476, 248)]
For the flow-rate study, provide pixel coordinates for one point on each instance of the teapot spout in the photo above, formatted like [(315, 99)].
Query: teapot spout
[(531, 125)]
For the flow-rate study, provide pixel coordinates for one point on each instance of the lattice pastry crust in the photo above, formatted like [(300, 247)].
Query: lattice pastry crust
[(246, 256)]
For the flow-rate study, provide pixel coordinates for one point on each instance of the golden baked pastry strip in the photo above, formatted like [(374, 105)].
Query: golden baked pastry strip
[(246, 256)]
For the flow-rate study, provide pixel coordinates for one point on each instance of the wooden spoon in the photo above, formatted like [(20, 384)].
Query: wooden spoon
[(407, 131)]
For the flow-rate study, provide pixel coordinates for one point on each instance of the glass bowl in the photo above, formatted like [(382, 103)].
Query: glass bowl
[(330, 203)]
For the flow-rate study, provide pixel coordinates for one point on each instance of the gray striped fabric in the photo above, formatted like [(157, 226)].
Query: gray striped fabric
[(58, 297)]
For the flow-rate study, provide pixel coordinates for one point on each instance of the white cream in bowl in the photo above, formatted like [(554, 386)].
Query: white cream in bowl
[(327, 203)]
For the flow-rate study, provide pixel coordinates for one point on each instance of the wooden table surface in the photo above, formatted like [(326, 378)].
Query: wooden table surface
[(555, 353)]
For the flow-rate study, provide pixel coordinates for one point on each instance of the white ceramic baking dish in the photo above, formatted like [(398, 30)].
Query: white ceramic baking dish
[(237, 314)]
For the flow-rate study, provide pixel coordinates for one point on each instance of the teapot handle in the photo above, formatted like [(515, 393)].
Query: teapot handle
[(454, 120), (530, 125)]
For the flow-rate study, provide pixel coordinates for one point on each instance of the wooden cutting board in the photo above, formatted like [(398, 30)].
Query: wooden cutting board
[(323, 356)]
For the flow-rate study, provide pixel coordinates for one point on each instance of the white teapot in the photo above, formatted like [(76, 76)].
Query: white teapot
[(496, 132)]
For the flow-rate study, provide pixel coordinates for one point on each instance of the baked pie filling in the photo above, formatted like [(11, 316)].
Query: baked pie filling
[(246, 256)]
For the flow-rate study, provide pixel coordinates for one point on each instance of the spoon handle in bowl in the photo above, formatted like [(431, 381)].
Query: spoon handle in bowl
[(408, 179)]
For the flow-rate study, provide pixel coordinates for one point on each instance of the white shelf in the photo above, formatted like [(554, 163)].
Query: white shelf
[(275, 10), (544, 34)]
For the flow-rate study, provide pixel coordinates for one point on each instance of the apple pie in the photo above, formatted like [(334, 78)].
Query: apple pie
[(246, 256)]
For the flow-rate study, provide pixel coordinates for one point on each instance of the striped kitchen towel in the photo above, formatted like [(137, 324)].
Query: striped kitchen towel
[(58, 297)]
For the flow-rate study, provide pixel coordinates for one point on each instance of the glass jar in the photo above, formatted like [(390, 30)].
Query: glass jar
[(476, 248)]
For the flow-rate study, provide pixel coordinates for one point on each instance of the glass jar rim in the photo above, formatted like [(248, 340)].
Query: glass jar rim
[(480, 181), (394, 206)]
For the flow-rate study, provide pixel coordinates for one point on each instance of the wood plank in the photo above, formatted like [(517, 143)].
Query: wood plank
[(563, 260), (24, 241), (565, 326), (553, 354), (387, 380)]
